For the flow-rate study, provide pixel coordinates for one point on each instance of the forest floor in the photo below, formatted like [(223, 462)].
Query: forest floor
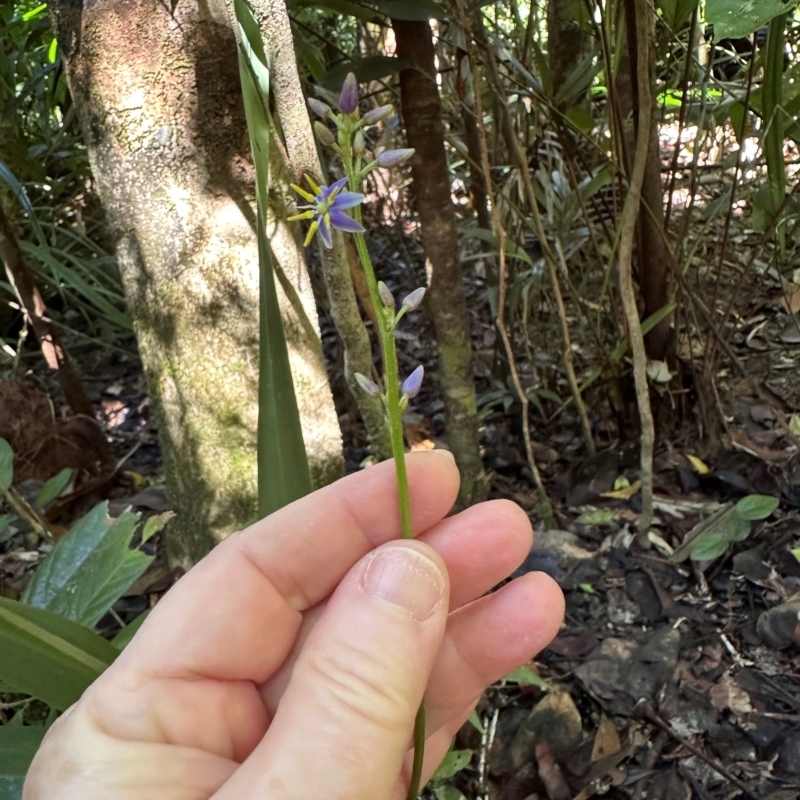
[(671, 678)]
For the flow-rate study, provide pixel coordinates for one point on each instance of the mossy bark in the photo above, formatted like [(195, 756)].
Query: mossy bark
[(157, 89), (422, 115)]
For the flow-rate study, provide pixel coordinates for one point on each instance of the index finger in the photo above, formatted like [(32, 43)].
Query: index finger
[(250, 592)]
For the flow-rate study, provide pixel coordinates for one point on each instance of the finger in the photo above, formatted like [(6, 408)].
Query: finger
[(488, 639), (480, 547), (265, 576), (350, 705)]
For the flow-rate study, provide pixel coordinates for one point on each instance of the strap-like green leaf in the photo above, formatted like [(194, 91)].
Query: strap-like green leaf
[(283, 474), (49, 657), (89, 569)]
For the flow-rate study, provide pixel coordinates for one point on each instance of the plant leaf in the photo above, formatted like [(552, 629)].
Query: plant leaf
[(283, 474), (89, 569), (452, 763), (123, 638), (49, 657), (525, 676), (6, 465), (18, 746), (756, 506), (735, 18), (711, 545), (52, 488)]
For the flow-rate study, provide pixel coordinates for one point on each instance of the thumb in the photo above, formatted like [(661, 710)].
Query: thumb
[(346, 718)]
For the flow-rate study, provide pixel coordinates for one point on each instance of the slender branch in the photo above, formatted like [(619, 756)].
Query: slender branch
[(500, 234), (630, 212)]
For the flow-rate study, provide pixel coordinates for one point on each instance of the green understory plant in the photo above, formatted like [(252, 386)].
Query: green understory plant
[(326, 209), (733, 524), (49, 650)]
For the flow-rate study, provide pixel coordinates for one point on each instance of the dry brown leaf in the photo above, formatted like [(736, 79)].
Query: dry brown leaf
[(606, 740), (791, 298), (726, 693)]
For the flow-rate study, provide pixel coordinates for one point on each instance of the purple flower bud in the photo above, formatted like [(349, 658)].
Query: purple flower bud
[(411, 302), (323, 134), (413, 383), (376, 115), (359, 145), (348, 97), (394, 158), (319, 108), (386, 296), (370, 387)]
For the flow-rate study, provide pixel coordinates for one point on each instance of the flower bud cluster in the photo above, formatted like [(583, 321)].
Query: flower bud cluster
[(350, 125)]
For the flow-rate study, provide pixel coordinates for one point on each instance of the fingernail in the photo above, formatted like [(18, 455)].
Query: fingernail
[(405, 578), (445, 454)]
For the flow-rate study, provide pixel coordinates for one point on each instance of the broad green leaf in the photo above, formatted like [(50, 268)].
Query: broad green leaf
[(89, 569), (452, 763), (757, 506), (710, 545), (49, 657), (18, 746), (6, 465), (369, 68), (283, 474), (735, 18), (527, 677), (123, 638), (53, 488)]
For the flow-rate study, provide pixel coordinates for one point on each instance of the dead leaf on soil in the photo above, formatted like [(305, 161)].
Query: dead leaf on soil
[(791, 298), (624, 493), (606, 740), (727, 694)]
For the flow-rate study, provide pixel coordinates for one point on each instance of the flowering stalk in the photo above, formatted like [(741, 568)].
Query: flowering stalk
[(326, 210)]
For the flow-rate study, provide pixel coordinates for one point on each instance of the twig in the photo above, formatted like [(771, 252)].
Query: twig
[(644, 711), (630, 212), (499, 232), (26, 512), (518, 157)]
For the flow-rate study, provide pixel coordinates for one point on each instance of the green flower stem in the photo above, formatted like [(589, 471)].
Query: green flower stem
[(386, 326)]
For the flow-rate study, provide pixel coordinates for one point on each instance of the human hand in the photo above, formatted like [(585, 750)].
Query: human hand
[(289, 664)]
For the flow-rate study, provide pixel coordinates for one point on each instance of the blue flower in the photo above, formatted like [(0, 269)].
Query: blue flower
[(326, 208)]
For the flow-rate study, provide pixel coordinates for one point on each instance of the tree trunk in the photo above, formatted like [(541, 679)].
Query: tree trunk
[(567, 40), (422, 113), (157, 89), (653, 254)]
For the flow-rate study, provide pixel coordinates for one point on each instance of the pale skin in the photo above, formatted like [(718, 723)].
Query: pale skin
[(289, 664)]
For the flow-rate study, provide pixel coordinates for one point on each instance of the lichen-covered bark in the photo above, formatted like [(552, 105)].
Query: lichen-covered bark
[(157, 88), (422, 114)]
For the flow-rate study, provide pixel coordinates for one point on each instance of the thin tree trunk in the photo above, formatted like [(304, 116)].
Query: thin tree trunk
[(157, 89), (422, 113), (653, 253)]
